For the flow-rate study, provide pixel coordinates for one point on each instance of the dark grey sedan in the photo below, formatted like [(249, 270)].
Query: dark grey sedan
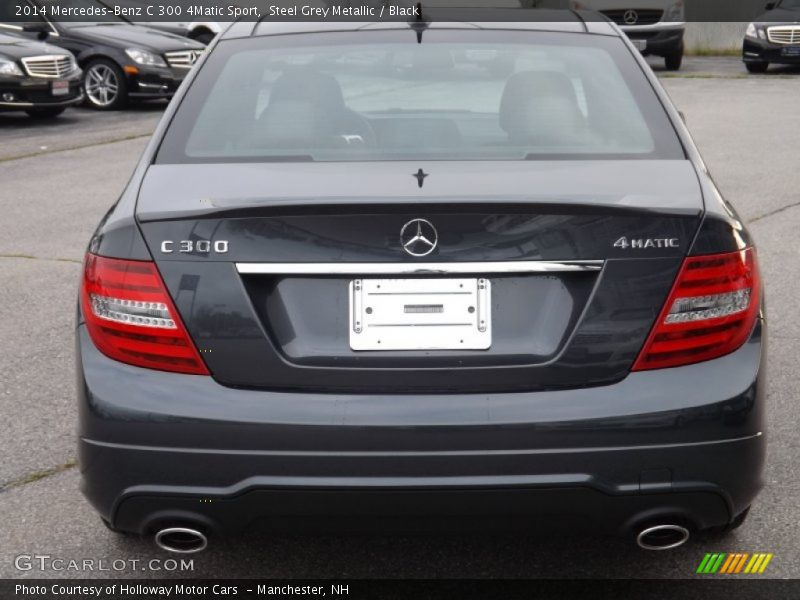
[(433, 275)]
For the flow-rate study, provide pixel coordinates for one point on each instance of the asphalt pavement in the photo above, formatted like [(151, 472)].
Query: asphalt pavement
[(58, 179)]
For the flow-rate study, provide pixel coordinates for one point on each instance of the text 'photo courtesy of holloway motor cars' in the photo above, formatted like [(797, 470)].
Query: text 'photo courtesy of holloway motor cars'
[(389, 282)]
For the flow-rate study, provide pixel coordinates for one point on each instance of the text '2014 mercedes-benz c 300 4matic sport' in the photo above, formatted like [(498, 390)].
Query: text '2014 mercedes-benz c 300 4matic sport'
[(430, 273)]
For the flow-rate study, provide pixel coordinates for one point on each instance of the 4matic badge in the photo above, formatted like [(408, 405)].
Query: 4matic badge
[(642, 243)]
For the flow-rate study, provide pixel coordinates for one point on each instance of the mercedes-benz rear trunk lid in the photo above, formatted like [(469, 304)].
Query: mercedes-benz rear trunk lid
[(259, 260)]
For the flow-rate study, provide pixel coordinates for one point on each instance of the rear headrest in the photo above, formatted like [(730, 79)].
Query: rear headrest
[(540, 107), (309, 86), (304, 106)]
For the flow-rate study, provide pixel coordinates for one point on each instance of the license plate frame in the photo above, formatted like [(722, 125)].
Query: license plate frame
[(59, 88), (791, 51), (420, 314)]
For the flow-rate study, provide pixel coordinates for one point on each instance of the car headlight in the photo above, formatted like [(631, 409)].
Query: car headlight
[(675, 12), (10, 68), (143, 57), (755, 32)]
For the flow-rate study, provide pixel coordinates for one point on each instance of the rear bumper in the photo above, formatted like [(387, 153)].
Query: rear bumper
[(686, 442)]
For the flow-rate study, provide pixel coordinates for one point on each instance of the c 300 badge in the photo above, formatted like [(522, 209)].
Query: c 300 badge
[(194, 246)]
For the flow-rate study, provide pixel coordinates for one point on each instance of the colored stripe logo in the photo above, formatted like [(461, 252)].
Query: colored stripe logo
[(737, 562)]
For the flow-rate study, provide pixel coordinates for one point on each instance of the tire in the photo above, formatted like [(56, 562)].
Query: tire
[(673, 61), (45, 113), (104, 85), (757, 67), (204, 38)]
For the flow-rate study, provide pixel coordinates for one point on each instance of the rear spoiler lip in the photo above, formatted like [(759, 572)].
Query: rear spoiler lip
[(231, 208)]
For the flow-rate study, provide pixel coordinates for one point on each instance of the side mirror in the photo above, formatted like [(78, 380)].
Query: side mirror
[(771, 5), (41, 29)]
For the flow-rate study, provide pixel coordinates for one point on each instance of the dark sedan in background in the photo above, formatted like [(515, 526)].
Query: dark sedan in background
[(121, 61), (774, 37), (37, 78)]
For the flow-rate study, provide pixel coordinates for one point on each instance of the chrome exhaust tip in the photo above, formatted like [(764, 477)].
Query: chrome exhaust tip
[(662, 537), (181, 540)]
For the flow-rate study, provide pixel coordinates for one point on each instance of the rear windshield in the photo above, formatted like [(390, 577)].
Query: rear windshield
[(457, 95)]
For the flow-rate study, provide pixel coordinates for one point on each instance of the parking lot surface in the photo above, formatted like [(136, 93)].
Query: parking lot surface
[(67, 173)]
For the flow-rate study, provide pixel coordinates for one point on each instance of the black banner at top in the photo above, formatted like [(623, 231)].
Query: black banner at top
[(632, 13)]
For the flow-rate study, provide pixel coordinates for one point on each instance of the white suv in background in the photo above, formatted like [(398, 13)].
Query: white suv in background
[(654, 26)]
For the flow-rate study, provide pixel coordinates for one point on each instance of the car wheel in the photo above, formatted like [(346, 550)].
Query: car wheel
[(757, 67), (673, 61), (45, 113), (204, 38), (105, 85)]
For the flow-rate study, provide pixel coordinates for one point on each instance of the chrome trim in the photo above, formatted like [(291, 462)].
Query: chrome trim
[(332, 268), (641, 539), (156, 86), (644, 16), (183, 59), (655, 27), (786, 35), (199, 536), (51, 66)]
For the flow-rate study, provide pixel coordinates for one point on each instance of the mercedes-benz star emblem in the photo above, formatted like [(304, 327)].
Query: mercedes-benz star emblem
[(631, 17), (419, 237)]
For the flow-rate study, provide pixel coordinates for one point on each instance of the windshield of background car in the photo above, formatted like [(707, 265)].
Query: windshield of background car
[(91, 13), (458, 95)]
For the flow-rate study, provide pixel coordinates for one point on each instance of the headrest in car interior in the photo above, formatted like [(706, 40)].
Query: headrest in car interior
[(287, 124), (308, 85), (540, 107), (304, 107)]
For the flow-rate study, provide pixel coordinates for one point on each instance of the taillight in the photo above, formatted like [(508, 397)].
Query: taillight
[(710, 311), (131, 318)]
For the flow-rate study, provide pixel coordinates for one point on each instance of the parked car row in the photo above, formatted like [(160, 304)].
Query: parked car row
[(47, 65)]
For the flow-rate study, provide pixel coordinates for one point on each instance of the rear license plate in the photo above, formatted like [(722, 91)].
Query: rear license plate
[(791, 51), (420, 314), (60, 88), (640, 45)]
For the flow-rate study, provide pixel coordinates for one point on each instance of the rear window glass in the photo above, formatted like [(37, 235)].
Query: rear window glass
[(458, 95)]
